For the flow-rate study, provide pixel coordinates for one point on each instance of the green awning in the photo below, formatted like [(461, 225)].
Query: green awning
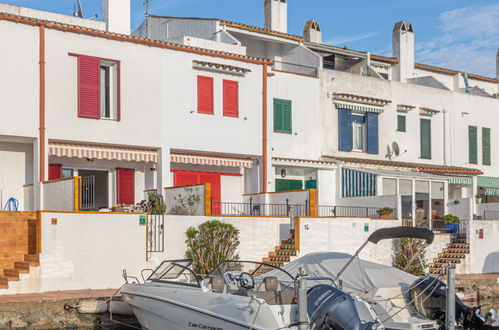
[(490, 184), (460, 180)]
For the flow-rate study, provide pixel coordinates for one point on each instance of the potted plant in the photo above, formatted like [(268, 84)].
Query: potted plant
[(451, 223), (478, 198), (385, 212)]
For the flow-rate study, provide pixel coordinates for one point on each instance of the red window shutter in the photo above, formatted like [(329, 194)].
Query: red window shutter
[(126, 186), (205, 94), (88, 87), (55, 171), (231, 98)]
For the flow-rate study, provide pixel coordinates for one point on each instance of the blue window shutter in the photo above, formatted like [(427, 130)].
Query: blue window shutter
[(372, 133), (345, 129)]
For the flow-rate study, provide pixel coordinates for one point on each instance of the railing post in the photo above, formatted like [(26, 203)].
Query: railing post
[(334, 211), (251, 206), (367, 212), (287, 207), (307, 208)]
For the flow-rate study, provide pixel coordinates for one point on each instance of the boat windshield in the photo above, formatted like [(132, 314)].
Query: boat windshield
[(234, 272), (175, 270)]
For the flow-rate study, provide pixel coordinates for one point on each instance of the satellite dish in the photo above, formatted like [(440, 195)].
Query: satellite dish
[(396, 148)]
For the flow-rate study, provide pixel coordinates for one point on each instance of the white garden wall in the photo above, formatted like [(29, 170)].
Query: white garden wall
[(85, 251), (345, 235)]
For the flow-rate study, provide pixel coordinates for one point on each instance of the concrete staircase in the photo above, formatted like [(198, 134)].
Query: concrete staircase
[(284, 253), (454, 253), (18, 250)]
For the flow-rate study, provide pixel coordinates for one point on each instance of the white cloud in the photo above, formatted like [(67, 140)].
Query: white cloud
[(468, 41), (340, 41)]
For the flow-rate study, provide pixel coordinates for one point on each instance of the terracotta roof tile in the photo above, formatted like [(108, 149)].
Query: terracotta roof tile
[(426, 168), (124, 37)]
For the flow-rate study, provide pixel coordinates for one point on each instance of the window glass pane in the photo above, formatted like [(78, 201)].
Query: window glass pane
[(401, 123), (437, 199), (405, 190), (389, 186), (67, 173), (422, 203), (358, 136)]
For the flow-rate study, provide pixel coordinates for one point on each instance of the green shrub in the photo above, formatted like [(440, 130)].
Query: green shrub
[(385, 211), (450, 219), (211, 243), (405, 249)]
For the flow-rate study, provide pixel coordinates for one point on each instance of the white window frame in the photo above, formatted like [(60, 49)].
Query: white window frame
[(355, 128), (112, 93)]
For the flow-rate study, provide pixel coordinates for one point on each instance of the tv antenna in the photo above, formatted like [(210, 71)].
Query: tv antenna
[(146, 3), (78, 12)]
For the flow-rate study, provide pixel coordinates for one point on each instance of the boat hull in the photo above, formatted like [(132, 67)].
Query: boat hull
[(170, 307)]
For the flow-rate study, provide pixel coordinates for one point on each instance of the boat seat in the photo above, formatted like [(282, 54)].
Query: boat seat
[(272, 294), (217, 284)]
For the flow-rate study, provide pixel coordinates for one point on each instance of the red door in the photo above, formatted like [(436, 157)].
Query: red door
[(126, 186), (214, 180), (55, 171), (186, 178)]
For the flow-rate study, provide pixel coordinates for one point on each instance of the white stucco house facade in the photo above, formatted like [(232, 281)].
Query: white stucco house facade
[(418, 133), (135, 115)]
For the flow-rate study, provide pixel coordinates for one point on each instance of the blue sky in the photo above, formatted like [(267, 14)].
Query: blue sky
[(457, 34)]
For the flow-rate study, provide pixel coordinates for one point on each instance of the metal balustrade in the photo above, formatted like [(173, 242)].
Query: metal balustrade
[(296, 68)]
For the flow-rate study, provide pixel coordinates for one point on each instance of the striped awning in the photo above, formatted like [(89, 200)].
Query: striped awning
[(357, 183), (357, 107), (102, 152), (460, 180), (490, 184), (211, 160)]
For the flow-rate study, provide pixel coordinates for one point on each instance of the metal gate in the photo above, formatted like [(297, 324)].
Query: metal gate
[(156, 233), (87, 193)]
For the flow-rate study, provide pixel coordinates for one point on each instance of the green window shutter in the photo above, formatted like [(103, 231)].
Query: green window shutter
[(472, 144), (486, 146), (311, 184), (285, 185), (282, 116), (401, 123), (287, 119), (425, 136), (277, 115)]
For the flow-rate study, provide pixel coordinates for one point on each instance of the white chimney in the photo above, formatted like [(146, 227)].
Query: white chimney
[(116, 15), (312, 32), (276, 15), (403, 48)]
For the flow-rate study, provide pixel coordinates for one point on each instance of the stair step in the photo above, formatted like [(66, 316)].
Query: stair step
[(23, 266), (32, 258)]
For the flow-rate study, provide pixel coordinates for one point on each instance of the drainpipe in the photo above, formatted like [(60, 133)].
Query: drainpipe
[(264, 128), (42, 104), (444, 113)]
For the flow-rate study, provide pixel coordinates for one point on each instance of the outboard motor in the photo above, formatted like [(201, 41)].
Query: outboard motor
[(330, 308), (429, 298)]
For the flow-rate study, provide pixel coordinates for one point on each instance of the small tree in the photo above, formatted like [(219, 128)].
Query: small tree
[(405, 249), (210, 244), (155, 204)]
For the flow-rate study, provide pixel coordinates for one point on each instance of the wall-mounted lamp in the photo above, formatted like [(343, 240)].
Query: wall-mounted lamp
[(464, 114), (283, 173), (193, 111), (245, 118)]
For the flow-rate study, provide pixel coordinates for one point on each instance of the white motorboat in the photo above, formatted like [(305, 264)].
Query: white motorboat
[(231, 297)]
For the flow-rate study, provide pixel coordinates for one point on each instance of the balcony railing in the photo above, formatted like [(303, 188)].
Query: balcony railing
[(460, 227), (352, 211), (296, 68), (260, 209)]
